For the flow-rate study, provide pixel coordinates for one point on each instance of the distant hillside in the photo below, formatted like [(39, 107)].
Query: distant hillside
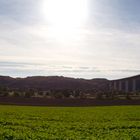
[(53, 82)]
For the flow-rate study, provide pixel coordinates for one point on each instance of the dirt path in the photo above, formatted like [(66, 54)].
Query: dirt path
[(64, 102)]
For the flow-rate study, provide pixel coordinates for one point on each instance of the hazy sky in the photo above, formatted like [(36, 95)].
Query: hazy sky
[(73, 38)]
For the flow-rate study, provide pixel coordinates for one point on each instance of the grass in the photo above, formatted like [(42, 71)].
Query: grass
[(69, 123)]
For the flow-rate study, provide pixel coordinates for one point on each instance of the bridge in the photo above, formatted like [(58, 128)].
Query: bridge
[(127, 85)]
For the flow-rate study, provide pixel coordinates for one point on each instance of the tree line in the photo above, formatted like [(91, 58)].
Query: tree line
[(66, 93)]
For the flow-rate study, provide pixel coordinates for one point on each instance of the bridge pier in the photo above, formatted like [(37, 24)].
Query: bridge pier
[(115, 85), (134, 85), (120, 86), (126, 86)]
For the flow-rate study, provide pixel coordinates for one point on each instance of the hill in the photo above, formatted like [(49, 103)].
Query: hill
[(53, 82)]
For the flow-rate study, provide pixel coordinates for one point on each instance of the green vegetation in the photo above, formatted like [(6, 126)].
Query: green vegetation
[(91, 123)]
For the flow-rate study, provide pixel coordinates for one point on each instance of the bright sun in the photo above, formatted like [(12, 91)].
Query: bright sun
[(65, 13)]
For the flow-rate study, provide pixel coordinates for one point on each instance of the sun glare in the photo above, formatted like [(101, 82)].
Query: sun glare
[(65, 13)]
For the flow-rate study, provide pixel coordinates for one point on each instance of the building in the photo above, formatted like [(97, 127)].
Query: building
[(127, 85)]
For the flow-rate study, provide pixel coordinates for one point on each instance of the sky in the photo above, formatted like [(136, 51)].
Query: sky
[(72, 38)]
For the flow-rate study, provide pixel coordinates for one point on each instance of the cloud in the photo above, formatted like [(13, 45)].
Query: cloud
[(108, 46), (34, 69), (101, 48)]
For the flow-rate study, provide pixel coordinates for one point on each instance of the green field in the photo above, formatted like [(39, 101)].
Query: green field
[(93, 123)]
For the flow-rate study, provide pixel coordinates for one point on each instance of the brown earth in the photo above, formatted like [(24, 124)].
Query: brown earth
[(64, 102)]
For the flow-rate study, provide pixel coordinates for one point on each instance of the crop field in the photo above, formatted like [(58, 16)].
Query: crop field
[(69, 123)]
